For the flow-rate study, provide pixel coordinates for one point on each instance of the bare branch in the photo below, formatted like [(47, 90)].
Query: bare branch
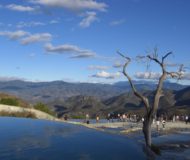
[(164, 57), (122, 55), (174, 75), (144, 99), (154, 59), (177, 74)]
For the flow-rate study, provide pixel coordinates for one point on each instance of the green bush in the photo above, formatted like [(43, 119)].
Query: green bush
[(42, 107), (77, 116), (9, 101)]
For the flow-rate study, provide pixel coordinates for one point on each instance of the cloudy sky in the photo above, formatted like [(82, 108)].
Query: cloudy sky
[(77, 40)]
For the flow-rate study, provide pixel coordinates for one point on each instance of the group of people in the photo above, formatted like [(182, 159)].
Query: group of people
[(88, 118), (176, 118), (159, 120), (123, 117)]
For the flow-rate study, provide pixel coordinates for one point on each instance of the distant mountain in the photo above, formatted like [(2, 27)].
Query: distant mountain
[(183, 97), (48, 92), (57, 90), (77, 99), (170, 103), (149, 85)]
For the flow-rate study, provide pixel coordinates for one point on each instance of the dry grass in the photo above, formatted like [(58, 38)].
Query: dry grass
[(24, 114)]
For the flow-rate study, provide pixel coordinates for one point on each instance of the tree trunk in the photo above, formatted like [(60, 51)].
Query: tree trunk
[(147, 131)]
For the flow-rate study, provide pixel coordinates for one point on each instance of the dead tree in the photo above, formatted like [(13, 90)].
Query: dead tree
[(151, 109)]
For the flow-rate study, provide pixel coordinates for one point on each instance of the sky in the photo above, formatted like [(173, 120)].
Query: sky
[(78, 40)]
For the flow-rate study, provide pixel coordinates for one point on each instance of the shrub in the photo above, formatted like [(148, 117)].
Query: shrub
[(9, 101), (77, 116), (44, 108)]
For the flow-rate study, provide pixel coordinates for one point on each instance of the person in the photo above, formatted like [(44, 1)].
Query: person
[(177, 118), (87, 118), (157, 124), (163, 123), (174, 118), (142, 119), (97, 119), (119, 117), (108, 117), (153, 121), (186, 119), (65, 117), (124, 117)]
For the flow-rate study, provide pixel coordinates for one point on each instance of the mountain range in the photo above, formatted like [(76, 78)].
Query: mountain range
[(77, 99), (59, 90)]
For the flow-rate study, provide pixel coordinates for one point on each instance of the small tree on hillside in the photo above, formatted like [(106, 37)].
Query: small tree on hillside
[(151, 110)]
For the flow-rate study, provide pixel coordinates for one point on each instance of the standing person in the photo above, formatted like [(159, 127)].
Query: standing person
[(65, 117), (97, 119), (87, 118), (186, 119), (108, 117), (124, 117), (142, 119), (163, 123), (157, 124), (173, 119), (177, 118), (118, 116), (153, 121)]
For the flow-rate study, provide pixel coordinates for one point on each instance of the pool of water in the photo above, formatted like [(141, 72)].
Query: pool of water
[(22, 139)]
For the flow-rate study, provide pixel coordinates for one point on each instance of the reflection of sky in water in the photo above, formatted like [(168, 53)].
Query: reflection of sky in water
[(37, 139)]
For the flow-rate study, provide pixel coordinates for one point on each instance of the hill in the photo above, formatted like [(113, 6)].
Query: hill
[(47, 92), (170, 103)]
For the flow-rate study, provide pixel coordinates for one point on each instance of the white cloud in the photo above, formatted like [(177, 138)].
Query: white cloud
[(89, 18), (20, 8), (117, 22), (75, 51), (29, 24), (32, 55), (156, 75), (14, 35), (26, 37), (106, 75), (54, 21), (147, 75), (185, 76), (92, 67), (84, 55), (117, 64), (38, 37), (73, 4), (11, 78)]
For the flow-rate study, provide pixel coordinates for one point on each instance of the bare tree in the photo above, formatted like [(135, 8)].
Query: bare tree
[(151, 110)]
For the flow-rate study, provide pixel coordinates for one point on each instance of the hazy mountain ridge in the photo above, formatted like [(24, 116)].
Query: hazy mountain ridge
[(60, 90), (81, 98)]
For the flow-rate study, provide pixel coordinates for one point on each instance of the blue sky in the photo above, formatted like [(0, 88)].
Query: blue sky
[(77, 40)]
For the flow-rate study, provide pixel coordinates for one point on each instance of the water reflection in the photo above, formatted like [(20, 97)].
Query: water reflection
[(37, 139)]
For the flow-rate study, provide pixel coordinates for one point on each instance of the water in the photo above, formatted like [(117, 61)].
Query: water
[(22, 139)]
